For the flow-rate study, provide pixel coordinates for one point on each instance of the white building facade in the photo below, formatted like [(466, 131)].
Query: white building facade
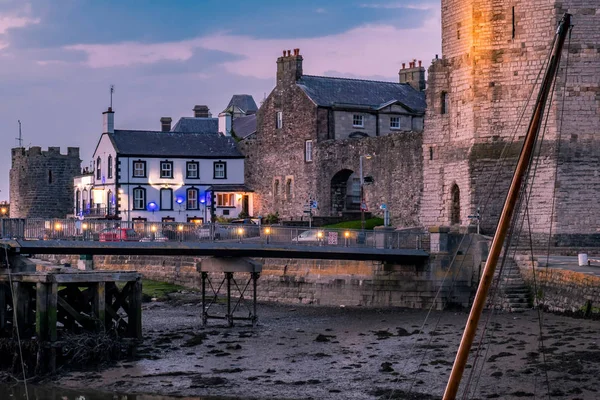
[(168, 176)]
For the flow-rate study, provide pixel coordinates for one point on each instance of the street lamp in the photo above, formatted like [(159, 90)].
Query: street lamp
[(362, 192)]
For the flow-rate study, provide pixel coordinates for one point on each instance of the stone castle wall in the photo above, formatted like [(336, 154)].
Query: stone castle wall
[(488, 71), (41, 182)]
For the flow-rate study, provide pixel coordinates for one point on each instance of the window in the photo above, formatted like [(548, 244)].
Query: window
[(49, 177), (444, 101), (195, 220), (288, 189), (192, 199), (98, 169), (110, 167), (84, 200), (220, 170), (279, 120), (513, 22), (192, 170), (431, 153), (225, 200), (109, 202), (308, 151), (77, 202), (139, 169), (357, 121), (166, 199), (276, 188), (166, 169), (395, 123), (139, 198)]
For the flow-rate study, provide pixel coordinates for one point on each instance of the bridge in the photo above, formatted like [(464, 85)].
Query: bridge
[(62, 236)]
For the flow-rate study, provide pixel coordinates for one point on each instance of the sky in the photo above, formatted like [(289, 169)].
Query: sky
[(58, 58)]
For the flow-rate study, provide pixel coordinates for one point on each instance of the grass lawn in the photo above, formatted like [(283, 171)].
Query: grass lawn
[(369, 224)]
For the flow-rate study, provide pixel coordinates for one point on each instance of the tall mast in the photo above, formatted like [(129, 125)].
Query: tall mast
[(20, 138), (507, 212)]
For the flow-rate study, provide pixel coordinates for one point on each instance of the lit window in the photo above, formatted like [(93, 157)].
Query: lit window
[(192, 199), (166, 169), (220, 170), (357, 121), (308, 151), (139, 198), (225, 200), (139, 169), (192, 170), (279, 120), (395, 123)]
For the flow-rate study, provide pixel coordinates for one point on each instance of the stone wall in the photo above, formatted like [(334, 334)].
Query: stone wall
[(561, 290), (41, 182), (319, 282)]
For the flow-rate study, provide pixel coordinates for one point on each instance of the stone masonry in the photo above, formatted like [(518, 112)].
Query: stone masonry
[(492, 54), (41, 182)]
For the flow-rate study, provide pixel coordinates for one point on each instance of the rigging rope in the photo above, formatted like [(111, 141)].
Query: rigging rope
[(16, 323)]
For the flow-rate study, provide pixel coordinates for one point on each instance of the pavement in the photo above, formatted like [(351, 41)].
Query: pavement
[(571, 263)]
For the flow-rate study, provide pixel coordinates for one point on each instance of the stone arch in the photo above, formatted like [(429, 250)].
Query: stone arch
[(454, 204), (342, 197)]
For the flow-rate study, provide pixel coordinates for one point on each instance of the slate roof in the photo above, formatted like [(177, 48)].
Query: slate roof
[(173, 144), (328, 92), (196, 125), (244, 126), (244, 102)]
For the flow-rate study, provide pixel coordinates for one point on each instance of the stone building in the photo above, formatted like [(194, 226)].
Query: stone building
[(41, 182), (491, 56), (312, 132)]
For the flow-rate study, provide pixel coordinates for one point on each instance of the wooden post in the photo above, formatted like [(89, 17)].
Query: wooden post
[(41, 311), (134, 324), (21, 307), (507, 212), (99, 304), (2, 306), (52, 311)]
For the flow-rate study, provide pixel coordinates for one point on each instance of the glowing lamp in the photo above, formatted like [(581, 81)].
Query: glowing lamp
[(180, 228), (240, 231), (3, 210), (84, 226), (57, 226), (346, 234), (320, 234), (153, 228), (179, 200), (268, 231), (152, 206)]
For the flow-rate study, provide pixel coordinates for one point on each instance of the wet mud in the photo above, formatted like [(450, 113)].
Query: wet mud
[(308, 352)]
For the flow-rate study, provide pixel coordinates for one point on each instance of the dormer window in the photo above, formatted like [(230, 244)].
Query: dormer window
[(357, 121)]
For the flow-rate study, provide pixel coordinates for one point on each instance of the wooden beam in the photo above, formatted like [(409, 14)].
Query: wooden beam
[(21, 307), (41, 311), (52, 311), (81, 319), (99, 304)]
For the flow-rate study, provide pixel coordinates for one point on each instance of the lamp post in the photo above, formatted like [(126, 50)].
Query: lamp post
[(362, 192)]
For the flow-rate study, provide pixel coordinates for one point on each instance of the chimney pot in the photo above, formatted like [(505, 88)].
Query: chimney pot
[(419, 63), (284, 53), (201, 111), (165, 124), (403, 65), (289, 53)]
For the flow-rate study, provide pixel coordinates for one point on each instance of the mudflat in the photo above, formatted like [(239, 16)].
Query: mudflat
[(313, 352)]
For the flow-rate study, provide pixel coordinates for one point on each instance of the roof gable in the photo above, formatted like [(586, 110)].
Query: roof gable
[(328, 92)]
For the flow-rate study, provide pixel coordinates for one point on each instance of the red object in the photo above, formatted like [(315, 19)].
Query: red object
[(119, 234)]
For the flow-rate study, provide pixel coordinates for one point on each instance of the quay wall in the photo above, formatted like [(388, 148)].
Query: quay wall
[(318, 282), (561, 290)]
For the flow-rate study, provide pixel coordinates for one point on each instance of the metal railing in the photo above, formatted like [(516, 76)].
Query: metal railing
[(143, 231)]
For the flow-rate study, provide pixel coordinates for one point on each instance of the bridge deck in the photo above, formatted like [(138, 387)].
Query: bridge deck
[(222, 249)]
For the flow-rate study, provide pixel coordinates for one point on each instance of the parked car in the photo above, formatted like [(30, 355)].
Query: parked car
[(118, 235), (311, 236), (155, 237)]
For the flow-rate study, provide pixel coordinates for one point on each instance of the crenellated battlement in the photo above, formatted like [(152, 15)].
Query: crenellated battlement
[(33, 151)]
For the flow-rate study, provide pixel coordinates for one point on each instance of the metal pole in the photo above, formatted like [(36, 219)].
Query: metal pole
[(507, 213), (362, 182), (204, 316), (254, 279), (229, 316)]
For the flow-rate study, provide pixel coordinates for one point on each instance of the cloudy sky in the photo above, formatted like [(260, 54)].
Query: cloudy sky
[(58, 58)]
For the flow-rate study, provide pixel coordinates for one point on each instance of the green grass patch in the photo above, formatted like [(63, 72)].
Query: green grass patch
[(159, 290), (369, 224)]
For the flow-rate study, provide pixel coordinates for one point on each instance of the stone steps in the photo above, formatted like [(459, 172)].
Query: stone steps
[(513, 294)]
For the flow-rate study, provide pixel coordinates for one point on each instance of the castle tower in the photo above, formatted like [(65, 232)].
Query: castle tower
[(492, 52), (41, 182)]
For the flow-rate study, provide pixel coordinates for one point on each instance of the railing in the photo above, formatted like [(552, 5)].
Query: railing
[(112, 231)]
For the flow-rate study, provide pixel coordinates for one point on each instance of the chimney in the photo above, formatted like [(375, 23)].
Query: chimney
[(165, 124), (289, 67), (201, 111), (108, 121), (225, 122), (413, 75)]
